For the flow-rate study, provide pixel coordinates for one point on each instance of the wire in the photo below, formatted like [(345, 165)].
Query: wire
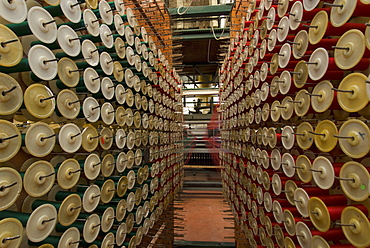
[(178, 9), (223, 30)]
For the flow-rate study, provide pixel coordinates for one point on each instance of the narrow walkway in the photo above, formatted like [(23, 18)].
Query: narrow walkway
[(204, 212)]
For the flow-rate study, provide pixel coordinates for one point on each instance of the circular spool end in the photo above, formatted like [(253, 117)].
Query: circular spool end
[(90, 110), (288, 137), (130, 203), (120, 47), (118, 72), (106, 63), (9, 148), (68, 104), (119, 6), (275, 114), (68, 173), (287, 112), (37, 57), (288, 243), (121, 99), (367, 36), (358, 145), (320, 20), (120, 143), (107, 113), (41, 223), (323, 102), (285, 51), (276, 184), (277, 211), (121, 162), (275, 159), (122, 186), (319, 214), (340, 15), (105, 12), (36, 180), (300, 49), (356, 190), (11, 227), (130, 159), (90, 138), (129, 36), (301, 78), (305, 141), (92, 166), (106, 138), (358, 235), (91, 80), (70, 139), (304, 234), (121, 234), (319, 242), (354, 41), (287, 82), (358, 99), (91, 198), (326, 142), (11, 53), (10, 102), (301, 201), (325, 178), (107, 219), (66, 66), (121, 210), (303, 103), (282, 33), (69, 210), (304, 173), (296, 15), (90, 22), (89, 53), (289, 223), (71, 235), (13, 11), (107, 88), (321, 57), (121, 116), (130, 140), (119, 25), (91, 228), (64, 36), (106, 36), (107, 165), (71, 13), (8, 196), (36, 17)]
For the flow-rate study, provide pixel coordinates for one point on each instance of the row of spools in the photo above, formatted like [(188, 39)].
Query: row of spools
[(295, 123), (90, 128)]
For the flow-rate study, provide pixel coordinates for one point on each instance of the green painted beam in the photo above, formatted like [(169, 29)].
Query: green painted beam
[(201, 11)]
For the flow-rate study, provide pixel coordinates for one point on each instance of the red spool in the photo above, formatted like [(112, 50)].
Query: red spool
[(331, 234)]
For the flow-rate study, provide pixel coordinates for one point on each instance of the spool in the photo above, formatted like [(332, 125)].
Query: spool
[(68, 209), (352, 138), (70, 238), (11, 186), (354, 216), (321, 215), (38, 225), (12, 232)]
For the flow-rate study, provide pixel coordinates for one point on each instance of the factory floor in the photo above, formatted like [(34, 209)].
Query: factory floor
[(203, 214)]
